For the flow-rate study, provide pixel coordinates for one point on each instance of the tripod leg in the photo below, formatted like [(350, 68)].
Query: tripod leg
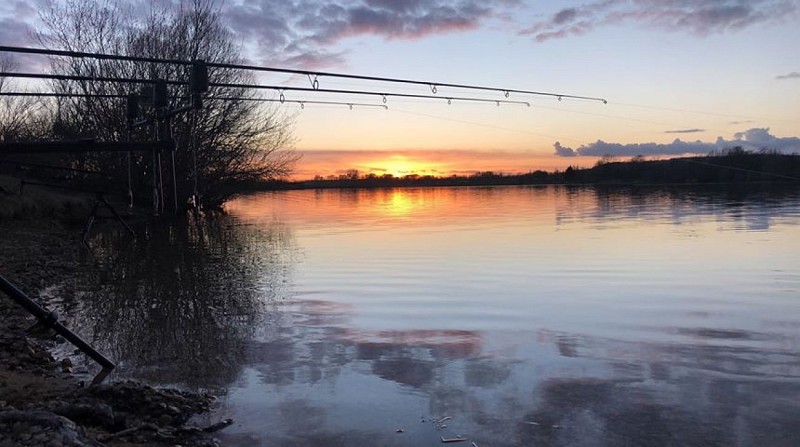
[(119, 218), (90, 221)]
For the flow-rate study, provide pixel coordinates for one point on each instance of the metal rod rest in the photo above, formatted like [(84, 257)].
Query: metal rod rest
[(50, 320), (80, 146)]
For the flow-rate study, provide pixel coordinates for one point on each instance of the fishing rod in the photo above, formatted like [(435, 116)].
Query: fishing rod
[(278, 88), (302, 103), (313, 76)]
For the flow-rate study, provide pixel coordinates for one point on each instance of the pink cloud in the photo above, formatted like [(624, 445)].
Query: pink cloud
[(304, 30)]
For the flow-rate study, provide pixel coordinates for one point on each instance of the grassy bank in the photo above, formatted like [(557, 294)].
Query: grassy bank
[(22, 202)]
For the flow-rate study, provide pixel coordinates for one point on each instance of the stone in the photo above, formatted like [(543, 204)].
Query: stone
[(165, 419)]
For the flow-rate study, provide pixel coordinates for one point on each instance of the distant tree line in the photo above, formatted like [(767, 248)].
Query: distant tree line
[(734, 165)]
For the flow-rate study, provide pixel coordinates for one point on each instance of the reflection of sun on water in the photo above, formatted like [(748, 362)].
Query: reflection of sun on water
[(398, 203)]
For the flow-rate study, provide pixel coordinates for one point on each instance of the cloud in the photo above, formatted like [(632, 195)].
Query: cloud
[(685, 131), (752, 139), (759, 138), (315, 60), (697, 17), (601, 148), (14, 32), (562, 151), (299, 32), (19, 10), (792, 75)]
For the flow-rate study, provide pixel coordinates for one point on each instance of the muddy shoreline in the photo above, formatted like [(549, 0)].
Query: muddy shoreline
[(46, 400)]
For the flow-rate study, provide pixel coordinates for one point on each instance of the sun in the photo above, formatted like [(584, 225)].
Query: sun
[(401, 166)]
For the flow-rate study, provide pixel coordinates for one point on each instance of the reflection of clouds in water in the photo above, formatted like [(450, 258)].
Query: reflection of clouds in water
[(404, 369), (700, 378), (704, 411), (485, 373), (734, 352), (313, 346), (738, 208), (671, 393)]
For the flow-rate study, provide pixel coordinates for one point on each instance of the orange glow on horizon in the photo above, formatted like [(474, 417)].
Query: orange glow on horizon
[(439, 163), (400, 166)]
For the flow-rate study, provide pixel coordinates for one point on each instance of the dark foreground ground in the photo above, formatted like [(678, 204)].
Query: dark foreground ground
[(47, 401)]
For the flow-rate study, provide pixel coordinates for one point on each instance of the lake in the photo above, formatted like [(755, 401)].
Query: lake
[(511, 316)]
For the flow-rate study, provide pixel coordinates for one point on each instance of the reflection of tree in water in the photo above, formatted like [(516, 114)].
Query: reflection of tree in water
[(178, 304)]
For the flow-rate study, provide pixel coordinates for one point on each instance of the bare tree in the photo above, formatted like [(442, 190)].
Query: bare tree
[(19, 115), (232, 142)]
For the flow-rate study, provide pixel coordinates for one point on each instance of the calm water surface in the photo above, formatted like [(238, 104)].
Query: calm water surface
[(530, 315)]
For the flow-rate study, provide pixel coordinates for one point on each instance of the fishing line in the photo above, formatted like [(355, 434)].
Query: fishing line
[(602, 115), (736, 168), (280, 89), (700, 112), (302, 103), (313, 76), (489, 126)]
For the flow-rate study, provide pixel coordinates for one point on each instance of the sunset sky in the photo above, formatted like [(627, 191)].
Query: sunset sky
[(680, 77)]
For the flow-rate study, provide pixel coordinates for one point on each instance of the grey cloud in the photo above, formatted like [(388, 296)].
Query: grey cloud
[(315, 60), (562, 151), (601, 148), (792, 75), (698, 17), (565, 15), (24, 10), (685, 131), (297, 31), (14, 32), (19, 10), (752, 139), (759, 138)]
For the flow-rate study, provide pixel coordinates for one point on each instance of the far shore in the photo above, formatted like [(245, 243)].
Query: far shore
[(733, 167)]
